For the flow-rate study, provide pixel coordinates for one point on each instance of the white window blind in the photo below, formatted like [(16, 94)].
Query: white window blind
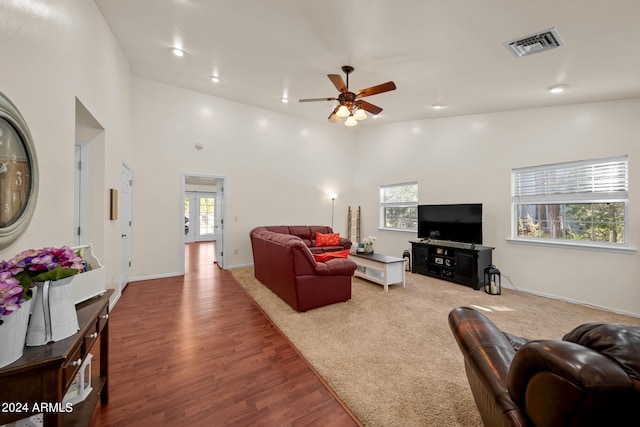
[(399, 206), (591, 180)]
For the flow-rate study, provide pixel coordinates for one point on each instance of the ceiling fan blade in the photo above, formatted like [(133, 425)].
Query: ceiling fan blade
[(374, 90), (373, 109), (332, 117), (338, 82), (317, 99)]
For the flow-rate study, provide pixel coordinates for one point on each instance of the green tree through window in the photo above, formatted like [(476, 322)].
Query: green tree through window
[(579, 201), (399, 206)]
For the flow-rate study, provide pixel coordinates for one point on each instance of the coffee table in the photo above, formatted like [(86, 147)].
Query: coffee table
[(382, 269)]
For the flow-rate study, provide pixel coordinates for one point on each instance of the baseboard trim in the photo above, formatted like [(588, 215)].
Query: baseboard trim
[(154, 276), (572, 301)]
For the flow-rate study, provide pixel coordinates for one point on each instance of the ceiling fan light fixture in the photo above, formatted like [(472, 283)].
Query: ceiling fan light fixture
[(360, 114), (351, 121), (349, 103), (343, 111)]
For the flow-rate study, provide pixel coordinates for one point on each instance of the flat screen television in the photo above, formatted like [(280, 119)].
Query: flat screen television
[(457, 222)]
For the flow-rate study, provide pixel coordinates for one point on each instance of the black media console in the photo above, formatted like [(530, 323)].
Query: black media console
[(462, 263)]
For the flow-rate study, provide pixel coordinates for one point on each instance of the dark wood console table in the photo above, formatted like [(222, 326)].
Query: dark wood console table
[(42, 376), (461, 263)]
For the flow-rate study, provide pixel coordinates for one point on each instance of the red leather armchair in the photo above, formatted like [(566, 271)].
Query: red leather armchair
[(589, 378), (285, 264)]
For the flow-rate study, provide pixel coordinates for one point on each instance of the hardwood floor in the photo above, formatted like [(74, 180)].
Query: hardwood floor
[(197, 351)]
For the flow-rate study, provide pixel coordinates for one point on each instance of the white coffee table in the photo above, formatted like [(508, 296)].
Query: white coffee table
[(382, 269)]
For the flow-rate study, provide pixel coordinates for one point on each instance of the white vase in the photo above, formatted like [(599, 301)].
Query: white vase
[(54, 316), (368, 248), (13, 332)]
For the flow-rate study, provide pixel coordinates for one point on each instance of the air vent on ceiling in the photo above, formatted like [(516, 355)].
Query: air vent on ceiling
[(549, 39)]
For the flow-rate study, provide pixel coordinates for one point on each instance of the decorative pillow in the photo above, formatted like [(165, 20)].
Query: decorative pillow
[(619, 342), (329, 255), (332, 239)]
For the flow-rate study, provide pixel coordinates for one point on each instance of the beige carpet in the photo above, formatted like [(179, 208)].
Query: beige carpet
[(391, 356)]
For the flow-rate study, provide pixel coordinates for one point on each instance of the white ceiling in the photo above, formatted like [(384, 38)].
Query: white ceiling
[(436, 51)]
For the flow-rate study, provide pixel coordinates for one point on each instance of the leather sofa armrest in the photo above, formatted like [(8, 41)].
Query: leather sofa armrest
[(560, 383), (345, 243), (336, 267), (516, 341), (473, 330), (487, 351)]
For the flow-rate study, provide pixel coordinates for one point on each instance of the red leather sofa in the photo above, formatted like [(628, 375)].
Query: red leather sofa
[(308, 235), (285, 264), (589, 378)]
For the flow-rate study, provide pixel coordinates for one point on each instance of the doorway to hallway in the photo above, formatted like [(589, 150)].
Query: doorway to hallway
[(203, 212), (199, 256)]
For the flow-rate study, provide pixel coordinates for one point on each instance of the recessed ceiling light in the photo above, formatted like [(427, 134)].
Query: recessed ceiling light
[(178, 52), (437, 107), (215, 79), (558, 88), (285, 100)]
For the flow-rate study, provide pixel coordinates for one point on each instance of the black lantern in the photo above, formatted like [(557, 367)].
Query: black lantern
[(407, 260), (492, 280)]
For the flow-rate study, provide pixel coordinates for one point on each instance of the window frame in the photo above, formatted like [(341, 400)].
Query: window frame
[(566, 193), (405, 204)]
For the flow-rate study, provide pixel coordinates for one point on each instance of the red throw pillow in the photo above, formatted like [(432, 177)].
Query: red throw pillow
[(329, 255), (332, 239)]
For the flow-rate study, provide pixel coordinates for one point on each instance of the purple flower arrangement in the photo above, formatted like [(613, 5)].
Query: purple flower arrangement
[(10, 294), (34, 265)]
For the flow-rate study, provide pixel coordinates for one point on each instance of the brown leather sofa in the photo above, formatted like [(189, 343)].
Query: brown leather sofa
[(285, 264), (589, 378)]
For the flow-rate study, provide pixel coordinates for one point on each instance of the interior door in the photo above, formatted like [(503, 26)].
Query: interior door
[(125, 226), (189, 213), (219, 224)]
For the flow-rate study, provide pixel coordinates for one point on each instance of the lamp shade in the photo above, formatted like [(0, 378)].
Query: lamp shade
[(343, 111), (350, 121), (360, 114)]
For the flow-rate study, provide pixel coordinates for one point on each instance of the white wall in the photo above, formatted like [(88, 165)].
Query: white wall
[(52, 53), (277, 169), (469, 159)]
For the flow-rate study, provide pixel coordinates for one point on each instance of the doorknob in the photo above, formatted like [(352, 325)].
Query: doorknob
[(123, 235)]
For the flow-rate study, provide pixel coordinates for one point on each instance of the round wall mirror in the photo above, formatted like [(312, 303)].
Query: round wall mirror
[(18, 173)]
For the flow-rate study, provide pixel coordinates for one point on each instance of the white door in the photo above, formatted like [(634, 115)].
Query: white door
[(219, 224), (125, 226), (206, 204), (189, 213), (199, 217)]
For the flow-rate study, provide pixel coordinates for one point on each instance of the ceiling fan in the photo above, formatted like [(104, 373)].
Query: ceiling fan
[(350, 104)]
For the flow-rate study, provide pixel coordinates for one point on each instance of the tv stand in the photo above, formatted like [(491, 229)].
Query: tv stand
[(462, 263)]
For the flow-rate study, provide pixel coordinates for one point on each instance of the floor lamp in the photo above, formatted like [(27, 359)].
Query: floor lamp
[(333, 199)]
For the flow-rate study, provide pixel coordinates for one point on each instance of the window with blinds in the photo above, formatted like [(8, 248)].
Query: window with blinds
[(583, 201), (399, 206)]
